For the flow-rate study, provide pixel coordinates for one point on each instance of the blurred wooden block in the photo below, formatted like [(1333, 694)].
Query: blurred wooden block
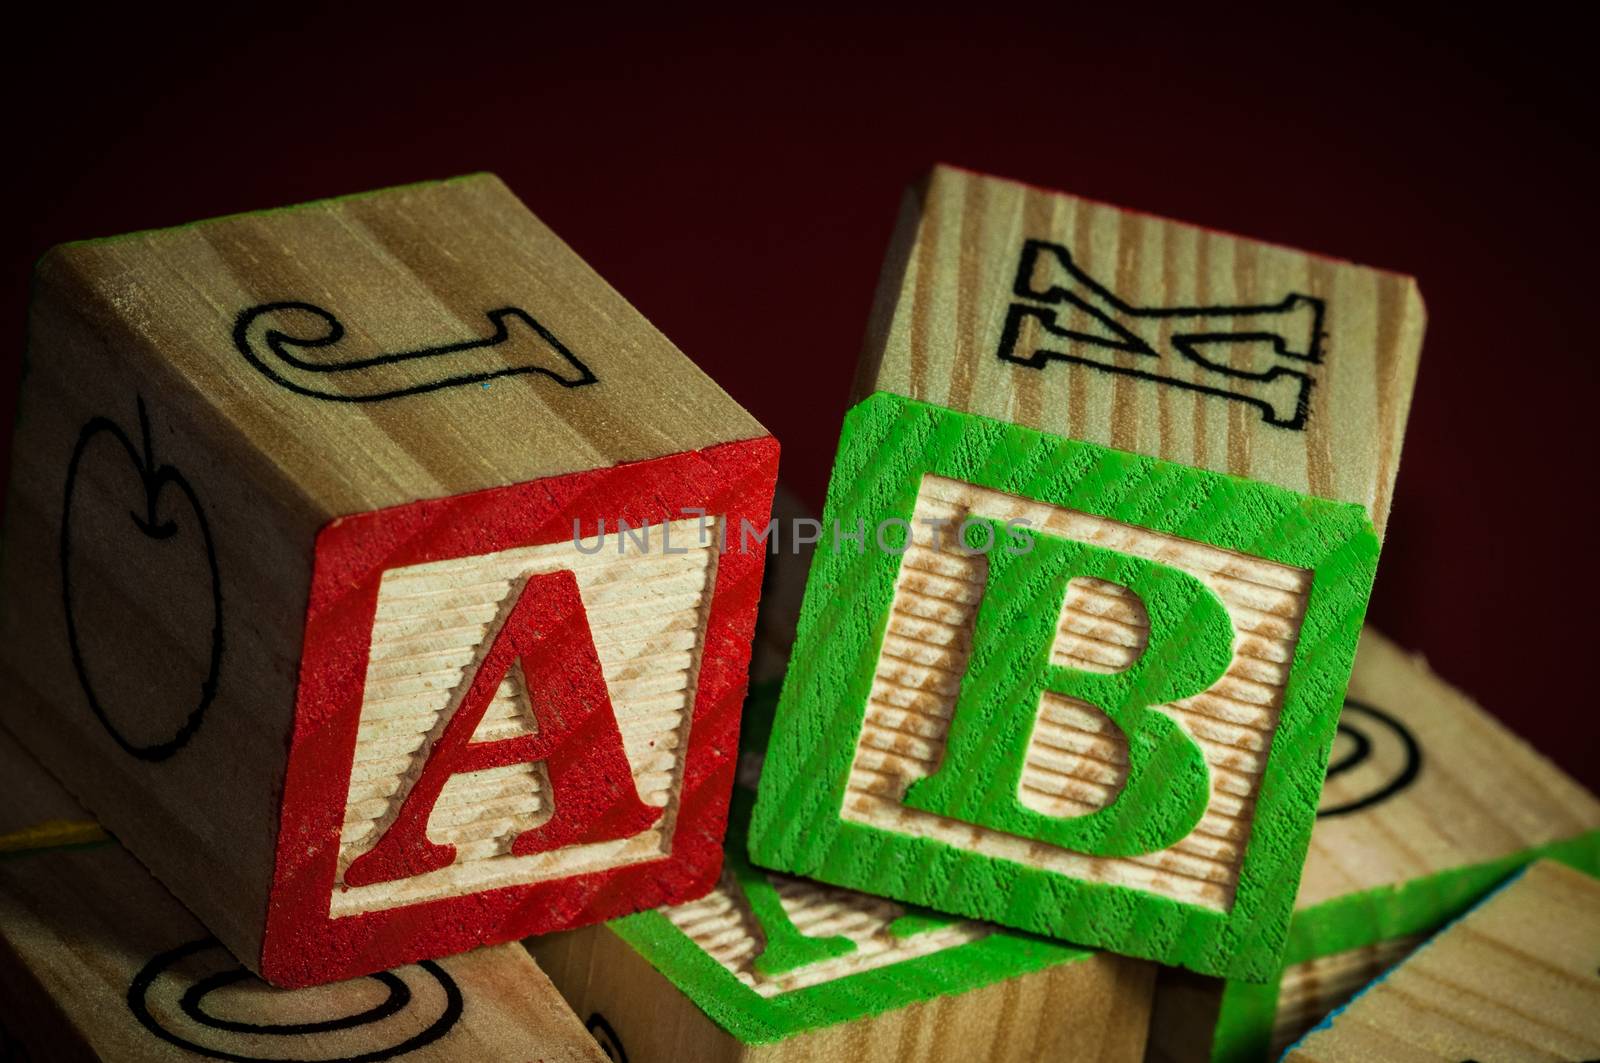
[(1429, 804), (769, 967), (388, 519), (1517, 979), (1097, 547), (97, 961)]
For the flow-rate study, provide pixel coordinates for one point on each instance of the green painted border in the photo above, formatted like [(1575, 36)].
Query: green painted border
[(1243, 1032), (887, 445), (755, 1019)]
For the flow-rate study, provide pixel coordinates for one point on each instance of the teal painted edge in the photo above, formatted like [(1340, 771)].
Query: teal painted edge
[(1243, 1033), (797, 827)]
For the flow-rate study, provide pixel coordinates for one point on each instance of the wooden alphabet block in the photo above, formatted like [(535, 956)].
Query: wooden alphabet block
[(361, 574), (97, 961), (1518, 978), (1429, 804), (770, 968), (1098, 544)]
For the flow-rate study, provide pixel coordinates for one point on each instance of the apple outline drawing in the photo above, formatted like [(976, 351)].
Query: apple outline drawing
[(154, 478)]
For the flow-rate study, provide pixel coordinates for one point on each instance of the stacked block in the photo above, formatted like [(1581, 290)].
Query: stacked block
[(1516, 979), (1429, 804), (1097, 548), (360, 576), (97, 961), (773, 967)]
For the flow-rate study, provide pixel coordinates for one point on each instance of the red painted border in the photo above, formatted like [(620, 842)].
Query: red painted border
[(302, 944)]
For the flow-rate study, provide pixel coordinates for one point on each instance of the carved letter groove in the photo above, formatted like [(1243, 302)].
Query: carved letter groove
[(591, 784)]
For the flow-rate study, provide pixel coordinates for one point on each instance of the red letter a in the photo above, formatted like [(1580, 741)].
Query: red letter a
[(591, 785)]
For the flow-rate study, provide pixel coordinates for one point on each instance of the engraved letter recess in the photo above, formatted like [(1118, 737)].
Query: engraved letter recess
[(591, 787)]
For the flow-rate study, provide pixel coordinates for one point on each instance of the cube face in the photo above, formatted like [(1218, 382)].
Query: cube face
[(1148, 335), (513, 717), (1094, 702)]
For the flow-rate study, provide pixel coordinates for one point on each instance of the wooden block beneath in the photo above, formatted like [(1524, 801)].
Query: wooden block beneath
[(1091, 1011), (97, 961), (324, 509), (771, 967), (1098, 543), (1429, 804), (1517, 979)]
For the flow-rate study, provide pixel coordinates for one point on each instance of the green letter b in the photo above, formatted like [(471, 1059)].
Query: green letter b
[(1190, 645)]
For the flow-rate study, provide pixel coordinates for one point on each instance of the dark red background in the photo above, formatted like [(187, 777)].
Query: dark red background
[(738, 180)]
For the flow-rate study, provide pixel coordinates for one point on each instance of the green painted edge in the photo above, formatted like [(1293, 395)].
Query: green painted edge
[(796, 826), (1422, 904), (1244, 1021), (755, 1019)]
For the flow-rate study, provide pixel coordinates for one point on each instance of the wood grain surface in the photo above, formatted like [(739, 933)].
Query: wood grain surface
[(1431, 803), (402, 270), (952, 279), (97, 961), (775, 967), (950, 739), (1023, 345), (207, 408), (1310, 991), (1479, 793), (1516, 980), (647, 619)]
